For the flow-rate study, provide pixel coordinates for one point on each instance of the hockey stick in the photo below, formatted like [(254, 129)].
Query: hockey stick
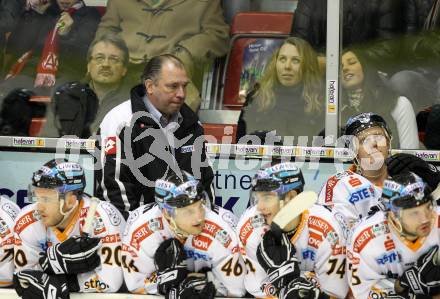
[(88, 222), (295, 207)]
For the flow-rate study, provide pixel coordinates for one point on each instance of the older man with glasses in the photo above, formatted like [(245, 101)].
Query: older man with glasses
[(107, 60), (106, 69)]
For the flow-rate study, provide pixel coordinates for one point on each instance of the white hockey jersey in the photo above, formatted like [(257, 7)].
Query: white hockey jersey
[(32, 237), (350, 197), (319, 250), (377, 255), (215, 248), (8, 213)]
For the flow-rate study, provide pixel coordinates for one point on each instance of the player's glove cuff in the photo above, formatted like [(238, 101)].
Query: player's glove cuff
[(280, 276), (409, 280), (170, 278), (35, 284), (193, 288), (302, 288)]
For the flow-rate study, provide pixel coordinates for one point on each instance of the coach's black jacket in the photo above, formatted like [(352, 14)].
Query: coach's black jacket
[(118, 181)]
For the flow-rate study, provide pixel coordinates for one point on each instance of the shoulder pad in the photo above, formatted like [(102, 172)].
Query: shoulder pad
[(111, 212), (363, 236), (248, 227), (227, 216), (144, 231), (217, 232), (319, 226), (25, 220), (10, 208), (332, 182), (201, 242)]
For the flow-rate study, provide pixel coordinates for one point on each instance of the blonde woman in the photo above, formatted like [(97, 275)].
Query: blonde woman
[(291, 89)]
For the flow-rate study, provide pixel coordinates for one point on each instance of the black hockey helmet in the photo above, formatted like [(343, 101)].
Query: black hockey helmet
[(277, 177), (178, 191), (404, 191), (61, 175), (363, 121)]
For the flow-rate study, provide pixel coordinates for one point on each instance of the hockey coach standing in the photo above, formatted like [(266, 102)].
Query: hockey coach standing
[(150, 134)]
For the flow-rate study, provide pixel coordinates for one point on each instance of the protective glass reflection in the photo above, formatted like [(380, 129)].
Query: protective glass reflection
[(264, 197), (43, 195), (190, 211)]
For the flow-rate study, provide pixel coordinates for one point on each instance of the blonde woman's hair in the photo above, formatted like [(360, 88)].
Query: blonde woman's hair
[(310, 78)]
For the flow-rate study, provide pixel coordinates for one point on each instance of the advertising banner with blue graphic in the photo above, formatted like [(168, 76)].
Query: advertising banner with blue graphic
[(18, 167), (232, 179)]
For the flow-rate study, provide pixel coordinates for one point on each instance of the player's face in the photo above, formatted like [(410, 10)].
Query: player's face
[(288, 65), (106, 65), (373, 147), (418, 221), (168, 92), (268, 204), (352, 72), (48, 206), (191, 219)]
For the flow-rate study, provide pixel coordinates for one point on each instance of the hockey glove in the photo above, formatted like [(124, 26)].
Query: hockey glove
[(75, 255), (424, 277), (35, 284), (193, 288), (406, 162), (301, 288), (276, 256), (169, 259)]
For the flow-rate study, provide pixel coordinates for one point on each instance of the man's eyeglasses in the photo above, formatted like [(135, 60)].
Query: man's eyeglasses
[(100, 59)]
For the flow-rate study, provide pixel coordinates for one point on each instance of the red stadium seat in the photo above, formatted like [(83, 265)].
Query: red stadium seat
[(38, 122), (246, 28), (36, 126), (218, 131), (221, 124), (262, 23)]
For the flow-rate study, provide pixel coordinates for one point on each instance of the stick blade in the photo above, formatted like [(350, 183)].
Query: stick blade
[(294, 208)]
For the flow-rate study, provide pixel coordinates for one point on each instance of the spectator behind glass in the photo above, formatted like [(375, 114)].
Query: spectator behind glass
[(107, 59), (363, 90), (370, 23), (9, 12), (289, 97), (418, 76), (106, 68), (49, 45), (192, 30)]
